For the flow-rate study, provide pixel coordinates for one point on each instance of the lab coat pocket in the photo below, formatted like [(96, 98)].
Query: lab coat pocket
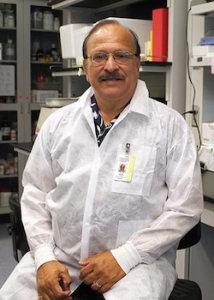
[(141, 172)]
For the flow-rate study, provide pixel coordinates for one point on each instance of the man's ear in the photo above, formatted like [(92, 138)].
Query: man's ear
[(85, 68), (139, 62)]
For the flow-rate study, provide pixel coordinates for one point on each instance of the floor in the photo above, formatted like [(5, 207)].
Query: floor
[(7, 261)]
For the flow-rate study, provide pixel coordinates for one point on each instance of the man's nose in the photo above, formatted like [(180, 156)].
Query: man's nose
[(111, 63)]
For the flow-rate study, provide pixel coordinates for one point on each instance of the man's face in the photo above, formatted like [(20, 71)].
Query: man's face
[(112, 80)]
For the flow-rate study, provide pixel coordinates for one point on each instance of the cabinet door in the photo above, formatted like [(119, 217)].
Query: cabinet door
[(41, 50), (11, 98)]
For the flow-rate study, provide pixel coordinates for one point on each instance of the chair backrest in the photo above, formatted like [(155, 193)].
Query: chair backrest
[(191, 238), (17, 230)]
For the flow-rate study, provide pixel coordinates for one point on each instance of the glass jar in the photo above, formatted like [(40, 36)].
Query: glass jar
[(9, 19), (9, 50), (40, 56), (5, 130), (54, 53)]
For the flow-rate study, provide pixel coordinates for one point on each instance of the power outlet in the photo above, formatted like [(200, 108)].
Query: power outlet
[(195, 116)]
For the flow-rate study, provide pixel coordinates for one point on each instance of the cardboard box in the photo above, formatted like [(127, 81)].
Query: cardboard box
[(39, 96), (45, 112), (203, 51)]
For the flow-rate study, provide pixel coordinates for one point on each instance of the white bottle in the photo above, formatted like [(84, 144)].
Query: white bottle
[(48, 20), (56, 24)]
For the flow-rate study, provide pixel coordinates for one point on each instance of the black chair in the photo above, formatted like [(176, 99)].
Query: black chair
[(185, 289), (16, 229)]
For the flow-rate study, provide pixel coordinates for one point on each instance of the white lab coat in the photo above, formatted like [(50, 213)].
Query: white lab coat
[(73, 208)]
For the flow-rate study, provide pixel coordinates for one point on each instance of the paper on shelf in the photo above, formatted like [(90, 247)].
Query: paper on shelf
[(7, 80)]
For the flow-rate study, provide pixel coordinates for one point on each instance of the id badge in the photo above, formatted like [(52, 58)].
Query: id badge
[(125, 165)]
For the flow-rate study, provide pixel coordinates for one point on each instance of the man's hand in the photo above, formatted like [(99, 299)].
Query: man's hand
[(101, 271), (53, 281)]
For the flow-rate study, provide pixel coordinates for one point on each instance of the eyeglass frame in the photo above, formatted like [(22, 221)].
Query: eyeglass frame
[(113, 55)]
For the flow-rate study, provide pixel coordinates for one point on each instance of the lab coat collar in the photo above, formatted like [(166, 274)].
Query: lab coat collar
[(139, 102)]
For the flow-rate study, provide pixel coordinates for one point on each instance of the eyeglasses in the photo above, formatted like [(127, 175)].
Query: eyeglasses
[(121, 57)]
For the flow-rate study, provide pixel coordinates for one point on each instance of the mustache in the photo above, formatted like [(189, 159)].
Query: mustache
[(110, 76)]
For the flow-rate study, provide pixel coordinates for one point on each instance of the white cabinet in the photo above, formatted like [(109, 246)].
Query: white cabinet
[(27, 73), (11, 109)]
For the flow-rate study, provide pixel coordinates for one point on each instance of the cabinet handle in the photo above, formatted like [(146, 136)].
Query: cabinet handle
[(28, 107), (20, 104), (28, 104)]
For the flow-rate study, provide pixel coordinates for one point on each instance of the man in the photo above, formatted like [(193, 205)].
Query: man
[(87, 221)]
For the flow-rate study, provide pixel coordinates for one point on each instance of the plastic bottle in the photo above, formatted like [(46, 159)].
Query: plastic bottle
[(37, 18), (56, 23), (13, 135), (35, 45), (10, 50), (48, 20)]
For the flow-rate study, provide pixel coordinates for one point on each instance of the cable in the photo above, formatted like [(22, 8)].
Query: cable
[(192, 84), (188, 112)]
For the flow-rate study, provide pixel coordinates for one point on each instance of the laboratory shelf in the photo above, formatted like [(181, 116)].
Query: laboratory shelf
[(5, 210), (201, 61), (9, 176), (202, 9), (97, 6), (146, 66), (8, 106), (7, 61)]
